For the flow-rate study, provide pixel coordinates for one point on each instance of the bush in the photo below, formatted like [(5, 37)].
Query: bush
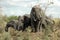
[(12, 18)]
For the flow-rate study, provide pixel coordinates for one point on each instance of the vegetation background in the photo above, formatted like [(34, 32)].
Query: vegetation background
[(52, 33)]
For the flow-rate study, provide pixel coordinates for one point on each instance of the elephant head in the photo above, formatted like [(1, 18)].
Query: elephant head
[(37, 13)]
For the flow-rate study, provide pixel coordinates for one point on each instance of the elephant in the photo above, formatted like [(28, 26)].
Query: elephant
[(14, 25), (36, 16), (26, 22), (39, 19), (10, 24)]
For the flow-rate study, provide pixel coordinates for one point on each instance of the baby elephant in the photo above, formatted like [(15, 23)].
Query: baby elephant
[(13, 24)]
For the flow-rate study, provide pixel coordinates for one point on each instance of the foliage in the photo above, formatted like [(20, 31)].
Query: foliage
[(12, 18), (18, 35)]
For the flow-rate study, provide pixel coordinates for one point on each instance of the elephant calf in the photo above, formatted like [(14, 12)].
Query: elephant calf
[(13, 24)]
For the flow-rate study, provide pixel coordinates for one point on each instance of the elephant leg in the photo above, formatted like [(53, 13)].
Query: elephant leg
[(38, 26), (35, 28), (6, 29), (18, 28), (14, 26), (32, 26), (24, 28)]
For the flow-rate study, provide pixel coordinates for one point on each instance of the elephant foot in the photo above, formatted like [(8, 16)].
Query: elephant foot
[(34, 31)]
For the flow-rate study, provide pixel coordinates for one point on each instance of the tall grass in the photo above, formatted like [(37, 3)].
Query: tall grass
[(47, 34)]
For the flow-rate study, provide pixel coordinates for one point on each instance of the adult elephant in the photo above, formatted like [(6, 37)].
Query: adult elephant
[(37, 17)]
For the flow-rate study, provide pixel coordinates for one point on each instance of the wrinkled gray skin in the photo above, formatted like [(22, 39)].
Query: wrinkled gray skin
[(39, 19)]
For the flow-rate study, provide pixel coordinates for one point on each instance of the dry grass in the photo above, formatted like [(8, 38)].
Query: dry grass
[(18, 35)]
